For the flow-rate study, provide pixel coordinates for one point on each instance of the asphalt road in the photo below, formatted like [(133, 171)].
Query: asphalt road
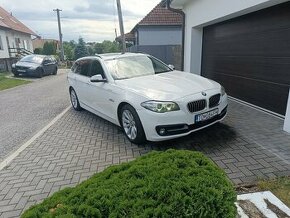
[(27, 109)]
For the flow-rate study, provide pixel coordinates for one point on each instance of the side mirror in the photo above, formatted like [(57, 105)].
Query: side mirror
[(46, 62), (171, 66), (98, 79)]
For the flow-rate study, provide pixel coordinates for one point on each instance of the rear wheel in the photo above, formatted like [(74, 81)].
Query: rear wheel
[(74, 100), (132, 125)]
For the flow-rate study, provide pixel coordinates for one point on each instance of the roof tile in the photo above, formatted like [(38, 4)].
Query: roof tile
[(11, 22), (160, 15)]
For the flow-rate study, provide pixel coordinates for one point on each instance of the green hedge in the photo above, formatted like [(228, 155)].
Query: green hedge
[(160, 184)]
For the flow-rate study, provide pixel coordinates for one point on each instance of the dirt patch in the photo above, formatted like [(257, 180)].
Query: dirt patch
[(246, 189), (250, 209), (276, 210)]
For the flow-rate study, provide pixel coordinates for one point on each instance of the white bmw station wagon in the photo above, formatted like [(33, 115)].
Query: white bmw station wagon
[(148, 99)]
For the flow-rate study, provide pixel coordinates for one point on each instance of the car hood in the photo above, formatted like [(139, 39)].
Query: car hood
[(168, 86), (26, 64)]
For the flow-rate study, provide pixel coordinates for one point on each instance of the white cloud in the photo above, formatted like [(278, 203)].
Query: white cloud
[(94, 20)]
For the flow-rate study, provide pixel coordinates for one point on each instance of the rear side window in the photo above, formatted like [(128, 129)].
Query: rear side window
[(82, 67)]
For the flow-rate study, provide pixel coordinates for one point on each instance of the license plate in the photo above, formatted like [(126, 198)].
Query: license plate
[(206, 116), (21, 71)]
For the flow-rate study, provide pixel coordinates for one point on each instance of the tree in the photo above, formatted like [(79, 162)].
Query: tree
[(69, 48), (38, 51), (107, 47), (80, 50), (49, 48), (98, 48)]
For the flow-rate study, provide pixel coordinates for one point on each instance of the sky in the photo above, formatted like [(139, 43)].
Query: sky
[(94, 20)]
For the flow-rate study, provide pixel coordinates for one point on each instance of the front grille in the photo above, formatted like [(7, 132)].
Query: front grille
[(196, 105), (214, 100), (21, 68)]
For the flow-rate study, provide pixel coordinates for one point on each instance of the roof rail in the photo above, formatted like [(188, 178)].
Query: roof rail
[(99, 56)]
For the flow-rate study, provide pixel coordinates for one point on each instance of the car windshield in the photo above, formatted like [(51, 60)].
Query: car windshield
[(135, 66), (32, 59)]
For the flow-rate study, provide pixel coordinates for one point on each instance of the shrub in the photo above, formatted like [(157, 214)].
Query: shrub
[(160, 184)]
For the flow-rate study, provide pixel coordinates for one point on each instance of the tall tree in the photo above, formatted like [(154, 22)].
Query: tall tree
[(68, 50), (81, 49), (49, 48)]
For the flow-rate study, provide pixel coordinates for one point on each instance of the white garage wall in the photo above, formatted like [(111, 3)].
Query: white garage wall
[(201, 13)]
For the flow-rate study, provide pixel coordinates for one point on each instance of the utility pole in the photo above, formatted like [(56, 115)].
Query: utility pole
[(121, 26), (60, 34)]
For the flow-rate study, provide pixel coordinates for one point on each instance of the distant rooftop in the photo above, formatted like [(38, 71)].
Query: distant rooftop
[(7, 20), (161, 15)]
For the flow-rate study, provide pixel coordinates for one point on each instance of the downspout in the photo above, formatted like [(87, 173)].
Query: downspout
[(183, 30)]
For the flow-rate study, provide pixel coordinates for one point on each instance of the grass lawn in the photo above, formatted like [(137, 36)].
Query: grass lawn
[(7, 83), (280, 187)]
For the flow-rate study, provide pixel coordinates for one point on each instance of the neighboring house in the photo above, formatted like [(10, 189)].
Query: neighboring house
[(159, 33), (244, 45), (15, 39), (38, 43)]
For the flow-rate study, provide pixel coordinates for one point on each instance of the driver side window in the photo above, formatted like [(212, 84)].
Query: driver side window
[(96, 68)]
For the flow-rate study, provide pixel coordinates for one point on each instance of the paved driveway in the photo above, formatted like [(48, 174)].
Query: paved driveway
[(248, 145), (25, 110)]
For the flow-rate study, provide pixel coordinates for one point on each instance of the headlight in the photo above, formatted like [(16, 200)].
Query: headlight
[(223, 91), (32, 68), (160, 107)]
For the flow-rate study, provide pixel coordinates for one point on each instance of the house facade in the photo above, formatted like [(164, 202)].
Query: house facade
[(159, 33), (244, 45), (15, 39)]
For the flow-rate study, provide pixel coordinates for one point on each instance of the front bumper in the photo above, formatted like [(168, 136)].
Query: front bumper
[(28, 72), (178, 123)]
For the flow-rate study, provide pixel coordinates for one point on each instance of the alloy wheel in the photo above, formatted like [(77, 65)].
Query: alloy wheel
[(129, 124), (74, 99)]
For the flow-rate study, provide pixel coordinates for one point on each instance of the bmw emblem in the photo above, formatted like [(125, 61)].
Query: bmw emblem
[(203, 93)]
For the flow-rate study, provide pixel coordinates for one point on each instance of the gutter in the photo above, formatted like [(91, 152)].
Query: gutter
[(183, 30)]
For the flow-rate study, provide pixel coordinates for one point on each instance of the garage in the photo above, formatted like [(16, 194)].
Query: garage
[(250, 56)]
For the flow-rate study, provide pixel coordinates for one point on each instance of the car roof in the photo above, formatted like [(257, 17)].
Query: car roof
[(111, 56)]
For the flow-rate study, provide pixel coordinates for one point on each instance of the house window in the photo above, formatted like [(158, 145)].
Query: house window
[(1, 44)]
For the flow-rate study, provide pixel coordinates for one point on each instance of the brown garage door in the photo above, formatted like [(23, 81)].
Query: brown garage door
[(250, 56)]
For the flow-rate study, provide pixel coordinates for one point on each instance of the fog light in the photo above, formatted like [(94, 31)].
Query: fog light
[(162, 131)]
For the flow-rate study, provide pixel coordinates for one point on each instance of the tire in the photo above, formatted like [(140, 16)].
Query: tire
[(40, 73), (74, 100), (16, 74), (130, 120), (55, 71)]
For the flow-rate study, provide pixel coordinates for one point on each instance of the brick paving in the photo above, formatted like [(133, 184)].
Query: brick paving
[(248, 145)]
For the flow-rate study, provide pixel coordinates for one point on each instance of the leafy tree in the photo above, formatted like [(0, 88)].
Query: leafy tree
[(68, 50), (91, 50), (81, 49), (99, 48), (38, 51), (49, 48), (107, 47)]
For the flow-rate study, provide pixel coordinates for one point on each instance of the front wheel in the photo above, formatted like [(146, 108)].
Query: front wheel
[(74, 100), (40, 73), (132, 125), (55, 71)]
